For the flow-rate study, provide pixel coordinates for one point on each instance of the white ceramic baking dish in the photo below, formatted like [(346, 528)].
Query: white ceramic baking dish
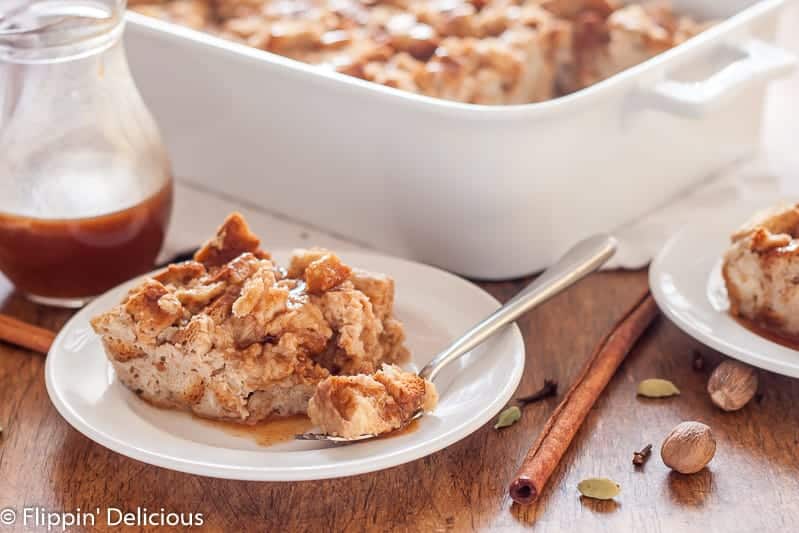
[(489, 192)]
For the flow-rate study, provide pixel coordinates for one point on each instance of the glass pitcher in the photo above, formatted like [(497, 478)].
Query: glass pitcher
[(85, 183)]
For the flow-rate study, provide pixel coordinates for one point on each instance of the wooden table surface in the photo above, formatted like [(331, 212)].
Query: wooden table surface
[(751, 485)]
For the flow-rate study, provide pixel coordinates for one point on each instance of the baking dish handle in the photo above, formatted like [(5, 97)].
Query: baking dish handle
[(759, 62)]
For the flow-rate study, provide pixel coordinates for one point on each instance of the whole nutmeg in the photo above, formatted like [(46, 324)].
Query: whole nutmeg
[(732, 385), (688, 448)]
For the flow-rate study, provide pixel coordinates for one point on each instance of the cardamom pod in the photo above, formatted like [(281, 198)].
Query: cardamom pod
[(508, 417), (599, 488), (657, 388)]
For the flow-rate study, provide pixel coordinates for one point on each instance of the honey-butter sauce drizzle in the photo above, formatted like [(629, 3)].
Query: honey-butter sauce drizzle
[(283, 429), (272, 431), (767, 333)]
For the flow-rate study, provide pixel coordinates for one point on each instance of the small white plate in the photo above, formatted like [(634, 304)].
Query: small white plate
[(686, 282), (436, 307)]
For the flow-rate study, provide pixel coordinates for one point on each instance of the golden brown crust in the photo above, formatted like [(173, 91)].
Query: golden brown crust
[(325, 273), (571, 8), (356, 347), (764, 241), (153, 308), (344, 394), (406, 389), (778, 219), (181, 273), (232, 239), (379, 288), (301, 258)]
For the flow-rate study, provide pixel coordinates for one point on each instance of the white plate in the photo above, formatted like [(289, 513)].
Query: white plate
[(686, 282), (436, 307)]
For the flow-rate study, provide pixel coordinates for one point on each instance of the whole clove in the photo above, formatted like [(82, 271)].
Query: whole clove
[(640, 457), (549, 389), (512, 414), (699, 361)]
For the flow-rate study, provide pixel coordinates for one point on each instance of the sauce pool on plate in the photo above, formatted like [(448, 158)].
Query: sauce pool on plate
[(767, 333), (268, 432), (283, 429)]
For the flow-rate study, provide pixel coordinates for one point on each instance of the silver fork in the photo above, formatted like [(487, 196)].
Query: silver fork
[(582, 259)]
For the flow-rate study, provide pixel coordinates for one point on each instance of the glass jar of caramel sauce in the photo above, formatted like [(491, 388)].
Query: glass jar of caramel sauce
[(85, 182)]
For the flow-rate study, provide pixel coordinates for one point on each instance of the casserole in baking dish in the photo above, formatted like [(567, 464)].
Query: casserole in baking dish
[(487, 191), (472, 51)]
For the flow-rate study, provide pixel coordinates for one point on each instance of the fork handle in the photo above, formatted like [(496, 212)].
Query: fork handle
[(585, 257)]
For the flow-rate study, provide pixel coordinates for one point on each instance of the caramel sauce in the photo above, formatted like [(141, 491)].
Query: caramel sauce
[(768, 333), (82, 257), (268, 432), (409, 428), (283, 429)]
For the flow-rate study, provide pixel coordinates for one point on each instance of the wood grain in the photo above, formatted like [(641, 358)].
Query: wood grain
[(751, 485)]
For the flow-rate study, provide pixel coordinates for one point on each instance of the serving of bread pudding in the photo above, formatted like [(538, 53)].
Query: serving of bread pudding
[(231, 335), (351, 406), (761, 271), (473, 51)]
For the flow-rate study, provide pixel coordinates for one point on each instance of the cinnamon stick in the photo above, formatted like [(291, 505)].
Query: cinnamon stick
[(546, 453), (25, 335)]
